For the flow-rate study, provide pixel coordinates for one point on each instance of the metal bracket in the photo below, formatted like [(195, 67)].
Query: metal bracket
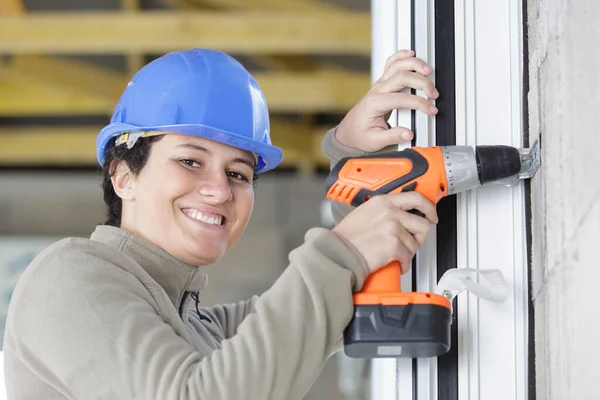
[(531, 158)]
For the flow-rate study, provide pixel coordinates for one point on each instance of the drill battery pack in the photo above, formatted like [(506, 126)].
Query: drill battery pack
[(411, 330)]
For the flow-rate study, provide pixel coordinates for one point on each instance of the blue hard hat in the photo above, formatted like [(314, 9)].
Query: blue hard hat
[(199, 92)]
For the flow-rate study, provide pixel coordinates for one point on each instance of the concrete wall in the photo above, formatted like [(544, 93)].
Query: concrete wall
[(564, 97), (63, 204)]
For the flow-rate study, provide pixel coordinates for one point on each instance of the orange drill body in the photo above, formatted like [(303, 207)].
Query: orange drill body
[(421, 169), (388, 322), (356, 180)]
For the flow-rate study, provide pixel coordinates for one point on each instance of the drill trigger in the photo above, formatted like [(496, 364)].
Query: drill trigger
[(410, 188)]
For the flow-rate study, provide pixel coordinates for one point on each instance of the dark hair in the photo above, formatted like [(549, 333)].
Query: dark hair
[(135, 158)]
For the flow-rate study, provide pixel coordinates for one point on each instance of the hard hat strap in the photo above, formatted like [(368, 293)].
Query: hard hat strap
[(131, 137)]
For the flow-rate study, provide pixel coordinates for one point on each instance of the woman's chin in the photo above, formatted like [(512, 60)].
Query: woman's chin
[(203, 253)]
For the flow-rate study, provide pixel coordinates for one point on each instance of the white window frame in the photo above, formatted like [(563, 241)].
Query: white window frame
[(492, 337), (391, 379)]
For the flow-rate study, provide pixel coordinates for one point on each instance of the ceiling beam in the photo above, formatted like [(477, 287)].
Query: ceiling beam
[(23, 96), (12, 7), (273, 61), (37, 85), (76, 146), (280, 5), (335, 32)]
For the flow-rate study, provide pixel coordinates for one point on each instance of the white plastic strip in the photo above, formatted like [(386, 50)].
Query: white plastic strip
[(404, 16), (424, 15), (491, 224), (384, 377), (486, 284), (403, 35)]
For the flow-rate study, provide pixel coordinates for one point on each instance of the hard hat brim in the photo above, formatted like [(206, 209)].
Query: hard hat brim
[(269, 156)]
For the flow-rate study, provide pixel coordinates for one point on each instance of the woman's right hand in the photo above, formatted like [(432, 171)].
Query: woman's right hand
[(365, 126), (383, 230)]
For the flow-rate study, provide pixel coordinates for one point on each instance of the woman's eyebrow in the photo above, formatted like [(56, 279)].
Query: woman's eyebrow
[(245, 161), (194, 147), (242, 160)]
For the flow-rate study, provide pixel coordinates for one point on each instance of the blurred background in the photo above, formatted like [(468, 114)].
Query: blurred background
[(63, 66)]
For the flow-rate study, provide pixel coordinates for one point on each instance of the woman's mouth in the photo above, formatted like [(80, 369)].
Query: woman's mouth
[(205, 217)]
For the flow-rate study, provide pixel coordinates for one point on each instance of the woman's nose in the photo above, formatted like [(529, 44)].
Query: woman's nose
[(216, 186)]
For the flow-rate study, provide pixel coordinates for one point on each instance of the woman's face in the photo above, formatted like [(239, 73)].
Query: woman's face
[(193, 198)]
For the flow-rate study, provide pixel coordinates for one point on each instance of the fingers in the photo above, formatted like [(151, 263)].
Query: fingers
[(404, 235), (406, 64), (407, 249), (413, 201), (384, 102), (404, 256), (399, 55), (416, 226), (387, 137), (398, 134), (407, 79), (398, 244), (383, 230)]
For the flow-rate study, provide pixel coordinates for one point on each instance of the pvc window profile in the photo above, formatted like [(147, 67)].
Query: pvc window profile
[(476, 52)]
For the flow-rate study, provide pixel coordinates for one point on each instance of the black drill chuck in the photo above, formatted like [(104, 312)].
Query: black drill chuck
[(497, 162)]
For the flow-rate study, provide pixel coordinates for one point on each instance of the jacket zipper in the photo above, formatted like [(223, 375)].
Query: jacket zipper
[(196, 298)]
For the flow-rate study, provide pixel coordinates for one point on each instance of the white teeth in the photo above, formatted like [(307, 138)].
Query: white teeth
[(213, 220)]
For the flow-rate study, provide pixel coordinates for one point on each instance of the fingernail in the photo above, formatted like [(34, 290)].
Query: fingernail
[(406, 135), (427, 68), (433, 109), (436, 93)]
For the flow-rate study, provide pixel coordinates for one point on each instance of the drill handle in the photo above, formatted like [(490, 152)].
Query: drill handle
[(388, 278), (384, 280)]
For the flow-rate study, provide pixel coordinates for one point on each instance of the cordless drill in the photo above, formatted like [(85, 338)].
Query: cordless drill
[(388, 322)]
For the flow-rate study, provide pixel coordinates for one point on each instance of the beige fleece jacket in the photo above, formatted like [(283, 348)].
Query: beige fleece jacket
[(115, 317)]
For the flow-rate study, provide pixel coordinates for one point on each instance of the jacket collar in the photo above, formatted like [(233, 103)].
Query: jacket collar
[(174, 276)]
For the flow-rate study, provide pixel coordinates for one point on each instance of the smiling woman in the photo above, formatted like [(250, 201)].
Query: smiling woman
[(193, 197), (117, 315)]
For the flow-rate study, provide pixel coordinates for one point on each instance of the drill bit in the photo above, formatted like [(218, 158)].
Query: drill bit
[(530, 163)]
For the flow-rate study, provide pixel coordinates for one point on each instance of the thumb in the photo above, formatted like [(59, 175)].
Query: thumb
[(408, 201), (396, 135)]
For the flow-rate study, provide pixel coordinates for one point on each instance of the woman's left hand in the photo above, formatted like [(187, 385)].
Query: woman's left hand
[(365, 126)]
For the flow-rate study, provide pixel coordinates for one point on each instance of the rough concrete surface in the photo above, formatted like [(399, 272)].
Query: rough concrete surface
[(564, 74)]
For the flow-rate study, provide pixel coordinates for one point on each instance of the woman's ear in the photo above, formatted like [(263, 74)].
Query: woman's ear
[(123, 180)]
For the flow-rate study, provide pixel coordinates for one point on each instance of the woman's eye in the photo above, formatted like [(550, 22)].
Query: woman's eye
[(190, 163), (239, 176)]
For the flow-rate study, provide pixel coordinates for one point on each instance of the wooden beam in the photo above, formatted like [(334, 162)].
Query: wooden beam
[(280, 5), (341, 32), (26, 96), (37, 85), (288, 62), (76, 146), (70, 75), (134, 59), (12, 7), (61, 146), (327, 90)]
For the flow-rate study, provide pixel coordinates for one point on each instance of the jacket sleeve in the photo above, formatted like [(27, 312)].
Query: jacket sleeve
[(93, 332), (335, 151), (231, 315)]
